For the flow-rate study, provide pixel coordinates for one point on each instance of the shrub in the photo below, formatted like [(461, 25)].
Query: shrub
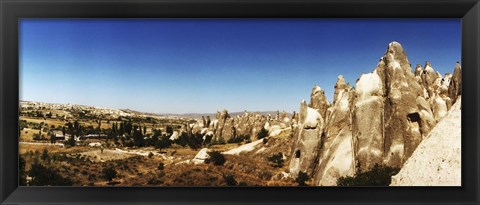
[(22, 178), (44, 176), (216, 158), (221, 140), (276, 160), (379, 175), (263, 133), (71, 141), (37, 136), (163, 143), (169, 130), (138, 140), (195, 141), (302, 178), (230, 180), (161, 166), (237, 139), (208, 139), (242, 184), (182, 139), (109, 173), (44, 155)]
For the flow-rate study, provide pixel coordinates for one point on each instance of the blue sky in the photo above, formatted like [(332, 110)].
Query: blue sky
[(205, 65)]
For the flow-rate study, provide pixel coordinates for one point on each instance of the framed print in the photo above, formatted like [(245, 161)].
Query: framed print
[(239, 102)]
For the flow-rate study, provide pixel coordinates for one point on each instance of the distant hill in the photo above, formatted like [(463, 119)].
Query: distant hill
[(185, 115), (212, 115)]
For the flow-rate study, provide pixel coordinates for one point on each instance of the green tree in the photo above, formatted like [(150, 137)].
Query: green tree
[(161, 166), (22, 178), (71, 141), (221, 140), (121, 131), (276, 160), (216, 158), (109, 173), (169, 130), (302, 178), (44, 156), (138, 138), (230, 180), (53, 139), (44, 176), (163, 143), (195, 141), (157, 132), (183, 139), (263, 133)]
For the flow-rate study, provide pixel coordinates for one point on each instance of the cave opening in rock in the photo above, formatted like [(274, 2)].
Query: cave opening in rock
[(297, 154), (413, 117)]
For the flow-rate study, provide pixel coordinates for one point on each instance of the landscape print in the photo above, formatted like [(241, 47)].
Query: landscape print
[(240, 102)]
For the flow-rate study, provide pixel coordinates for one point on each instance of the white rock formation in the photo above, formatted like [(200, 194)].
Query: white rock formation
[(368, 133), (244, 148), (437, 160), (337, 156), (306, 144), (201, 156), (318, 100), (174, 136)]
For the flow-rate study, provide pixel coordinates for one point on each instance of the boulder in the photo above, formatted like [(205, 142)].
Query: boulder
[(201, 156)]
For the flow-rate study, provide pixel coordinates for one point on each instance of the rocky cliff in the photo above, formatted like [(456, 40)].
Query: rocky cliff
[(438, 156), (380, 121)]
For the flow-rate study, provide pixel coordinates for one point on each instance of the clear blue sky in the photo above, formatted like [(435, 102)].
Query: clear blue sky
[(199, 66)]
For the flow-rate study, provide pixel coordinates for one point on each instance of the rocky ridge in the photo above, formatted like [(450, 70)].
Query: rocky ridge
[(438, 156), (380, 121)]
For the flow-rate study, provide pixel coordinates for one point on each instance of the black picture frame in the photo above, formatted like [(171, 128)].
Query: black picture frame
[(12, 10)]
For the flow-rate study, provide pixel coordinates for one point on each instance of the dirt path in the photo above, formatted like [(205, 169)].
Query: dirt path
[(43, 143)]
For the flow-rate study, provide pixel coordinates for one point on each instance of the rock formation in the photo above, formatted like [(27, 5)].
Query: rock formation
[(307, 143), (455, 87), (221, 120), (380, 121), (201, 156), (368, 134), (318, 100), (438, 156), (337, 151)]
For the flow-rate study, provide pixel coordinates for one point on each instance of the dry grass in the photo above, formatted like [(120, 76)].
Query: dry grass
[(83, 166)]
